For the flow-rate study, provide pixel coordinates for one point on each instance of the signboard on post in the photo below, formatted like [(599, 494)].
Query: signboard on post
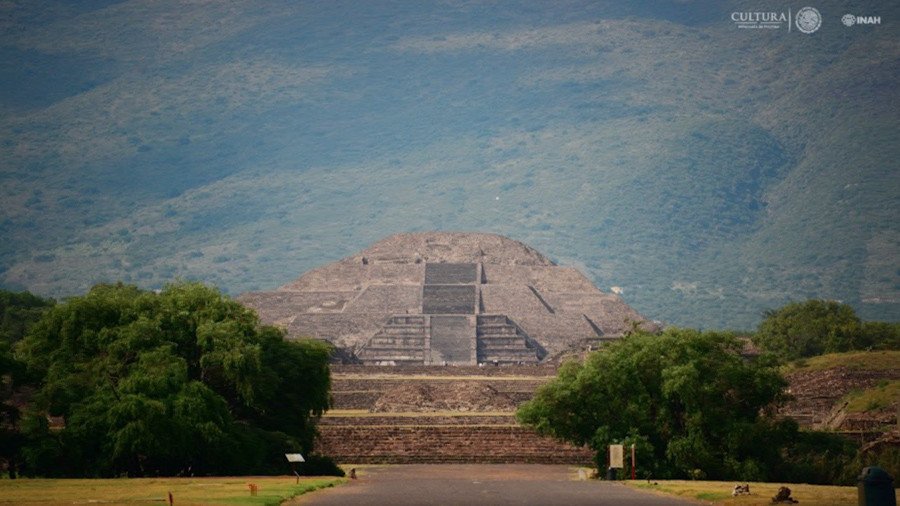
[(294, 459), (616, 456)]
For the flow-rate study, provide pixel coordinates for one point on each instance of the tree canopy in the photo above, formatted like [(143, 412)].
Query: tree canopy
[(815, 327), (184, 381), (685, 398), (18, 312)]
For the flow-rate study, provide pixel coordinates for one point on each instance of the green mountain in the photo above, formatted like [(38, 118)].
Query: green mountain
[(709, 171)]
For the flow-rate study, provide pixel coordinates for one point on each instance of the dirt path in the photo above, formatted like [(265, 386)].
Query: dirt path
[(474, 484)]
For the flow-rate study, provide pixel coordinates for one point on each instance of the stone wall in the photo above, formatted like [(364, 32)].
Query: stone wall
[(278, 306), (555, 278), (387, 299), (431, 414), (511, 300), (343, 330), (486, 444), (452, 340), (450, 274), (448, 299), (537, 372), (353, 275)]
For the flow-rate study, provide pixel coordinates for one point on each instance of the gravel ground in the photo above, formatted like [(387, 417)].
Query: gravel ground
[(476, 484)]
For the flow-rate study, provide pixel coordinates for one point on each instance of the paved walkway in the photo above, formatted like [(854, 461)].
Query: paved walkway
[(473, 484)]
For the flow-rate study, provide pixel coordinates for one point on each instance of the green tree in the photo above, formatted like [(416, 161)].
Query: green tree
[(881, 335), (813, 327), (181, 381), (686, 398), (18, 312)]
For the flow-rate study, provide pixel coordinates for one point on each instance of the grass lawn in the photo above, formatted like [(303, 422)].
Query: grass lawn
[(879, 397), (719, 492), (272, 490)]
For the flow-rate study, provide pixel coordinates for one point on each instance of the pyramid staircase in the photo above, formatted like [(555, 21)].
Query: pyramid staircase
[(502, 342), (402, 340)]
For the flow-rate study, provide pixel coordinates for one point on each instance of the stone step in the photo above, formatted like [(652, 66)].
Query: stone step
[(387, 343), (397, 337), (491, 341), (500, 341), (389, 350), (450, 274), (401, 362), (402, 333), (497, 330), (506, 358), (504, 325), (491, 319), (452, 340), (408, 320), (404, 327), (445, 444), (448, 299), (500, 347), (391, 354), (350, 372)]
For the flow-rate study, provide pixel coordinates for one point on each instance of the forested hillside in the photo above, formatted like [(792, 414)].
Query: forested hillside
[(710, 172)]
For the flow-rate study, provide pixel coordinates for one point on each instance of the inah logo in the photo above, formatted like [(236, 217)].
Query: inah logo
[(850, 20), (808, 19)]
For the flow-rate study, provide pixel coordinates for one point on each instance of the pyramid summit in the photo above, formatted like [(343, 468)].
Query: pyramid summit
[(442, 298)]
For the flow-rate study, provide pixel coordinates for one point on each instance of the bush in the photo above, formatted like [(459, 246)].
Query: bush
[(885, 456), (816, 327), (818, 458), (320, 465)]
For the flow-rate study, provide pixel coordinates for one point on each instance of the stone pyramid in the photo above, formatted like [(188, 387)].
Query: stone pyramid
[(438, 298)]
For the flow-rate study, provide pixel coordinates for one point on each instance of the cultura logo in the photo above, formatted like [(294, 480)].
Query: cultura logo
[(760, 19), (808, 19)]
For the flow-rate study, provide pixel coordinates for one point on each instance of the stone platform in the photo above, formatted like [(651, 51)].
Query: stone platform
[(421, 414)]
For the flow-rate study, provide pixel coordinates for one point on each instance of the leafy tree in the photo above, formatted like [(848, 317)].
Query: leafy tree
[(881, 335), (183, 381), (18, 312), (814, 327), (687, 399)]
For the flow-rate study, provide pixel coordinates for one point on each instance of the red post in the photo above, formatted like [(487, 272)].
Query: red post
[(632, 462)]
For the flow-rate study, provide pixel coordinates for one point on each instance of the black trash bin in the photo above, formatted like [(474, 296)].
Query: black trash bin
[(611, 474), (876, 488)]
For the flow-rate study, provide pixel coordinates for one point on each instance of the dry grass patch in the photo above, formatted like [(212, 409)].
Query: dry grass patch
[(273, 490), (719, 492), (881, 397), (857, 360)]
